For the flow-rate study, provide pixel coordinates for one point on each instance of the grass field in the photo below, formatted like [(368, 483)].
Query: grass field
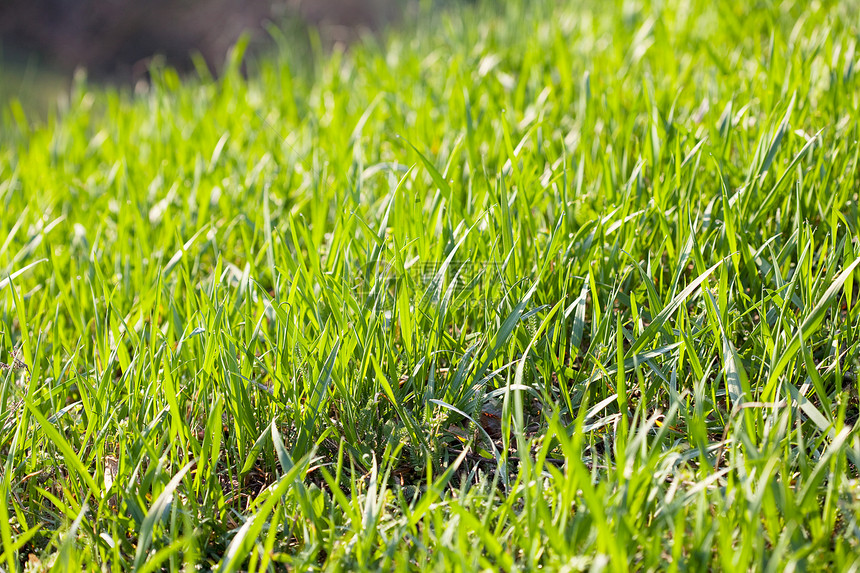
[(520, 286)]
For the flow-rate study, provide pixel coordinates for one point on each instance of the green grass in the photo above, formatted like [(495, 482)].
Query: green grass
[(261, 315)]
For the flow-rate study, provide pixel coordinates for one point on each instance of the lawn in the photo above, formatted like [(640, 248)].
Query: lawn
[(518, 285)]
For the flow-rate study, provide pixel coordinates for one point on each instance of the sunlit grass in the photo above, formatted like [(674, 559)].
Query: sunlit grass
[(524, 285)]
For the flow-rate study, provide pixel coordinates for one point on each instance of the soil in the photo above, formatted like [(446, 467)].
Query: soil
[(117, 37)]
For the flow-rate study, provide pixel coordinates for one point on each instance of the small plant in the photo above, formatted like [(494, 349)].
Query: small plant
[(17, 362)]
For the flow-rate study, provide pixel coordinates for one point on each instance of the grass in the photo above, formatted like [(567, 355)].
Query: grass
[(522, 285)]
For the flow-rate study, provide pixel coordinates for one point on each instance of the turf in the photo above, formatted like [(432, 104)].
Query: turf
[(520, 285)]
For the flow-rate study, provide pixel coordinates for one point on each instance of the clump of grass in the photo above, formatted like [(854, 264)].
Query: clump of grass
[(524, 285)]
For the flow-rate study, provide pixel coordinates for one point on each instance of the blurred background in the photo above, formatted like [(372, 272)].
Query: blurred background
[(43, 42)]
